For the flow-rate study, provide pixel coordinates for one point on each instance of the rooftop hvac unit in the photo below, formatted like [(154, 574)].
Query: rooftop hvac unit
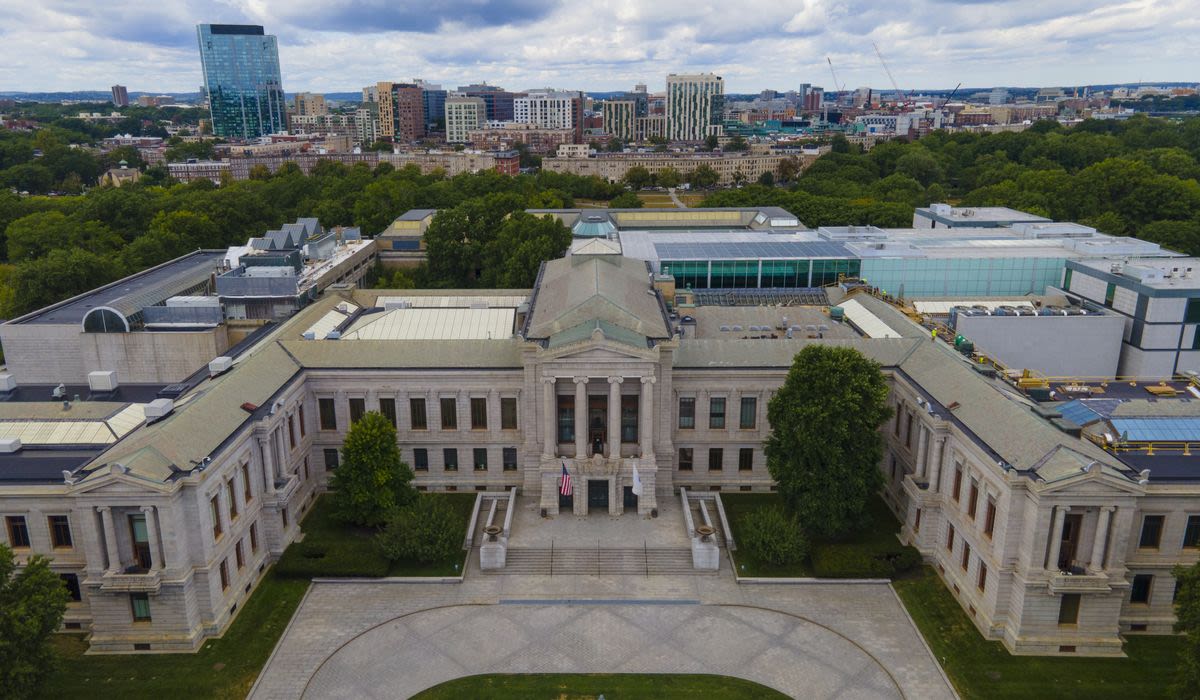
[(158, 409), (7, 382), (333, 335), (102, 381), (309, 335), (343, 307), (10, 445), (220, 365)]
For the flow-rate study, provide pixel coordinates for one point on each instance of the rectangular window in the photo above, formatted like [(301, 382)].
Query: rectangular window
[(1152, 526), (214, 508), (1191, 313), (357, 408), (328, 414), (291, 422), (1140, 591), (716, 413), (899, 415), (989, 520), (306, 467), (247, 487), (283, 515), (508, 413), (449, 408), (303, 429), (140, 604), (746, 459), (480, 459), (509, 458), (687, 413), (1068, 609), (254, 537), (478, 414), (388, 408), (566, 419), (239, 555), (18, 531), (629, 419), (956, 492), (421, 459), (950, 539), (332, 458), (965, 561), (715, 458), (450, 459), (908, 431), (685, 459), (1067, 280), (973, 502), (917, 521), (1191, 534), (1110, 292), (981, 579), (416, 412), (233, 508), (224, 568), (749, 414), (60, 531), (71, 581)]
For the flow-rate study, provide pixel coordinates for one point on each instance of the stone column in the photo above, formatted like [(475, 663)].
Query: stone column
[(156, 560), (581, 426), (283, 463), (934, 468), (1056, 527), (922, 449), (647, 418), (1101, 539), (614, 417), (110, 540), (550, 439), (268, 469)]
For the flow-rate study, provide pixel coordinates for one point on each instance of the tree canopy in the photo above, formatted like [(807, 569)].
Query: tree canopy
[(371, 481), (824, 448), (32, 603), (1187, 623)]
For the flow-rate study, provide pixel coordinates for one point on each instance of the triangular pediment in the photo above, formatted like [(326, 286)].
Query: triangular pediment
[(114, 479), (598, 351)]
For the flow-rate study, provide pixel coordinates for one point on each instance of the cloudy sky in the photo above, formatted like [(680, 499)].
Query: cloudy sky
[(340, 45)]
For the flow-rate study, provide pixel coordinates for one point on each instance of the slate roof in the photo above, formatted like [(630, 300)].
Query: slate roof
[(580, 289)]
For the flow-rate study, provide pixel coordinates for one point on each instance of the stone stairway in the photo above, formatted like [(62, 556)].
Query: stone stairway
[(595, 561), (698, 519)]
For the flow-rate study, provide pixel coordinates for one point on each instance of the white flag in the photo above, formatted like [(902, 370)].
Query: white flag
[(637, 480)]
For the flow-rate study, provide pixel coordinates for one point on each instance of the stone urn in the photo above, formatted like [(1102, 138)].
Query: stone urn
[(492, 531), (705, 532)]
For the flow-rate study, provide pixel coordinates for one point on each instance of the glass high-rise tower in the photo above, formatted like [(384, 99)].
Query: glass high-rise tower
[(241, 76)]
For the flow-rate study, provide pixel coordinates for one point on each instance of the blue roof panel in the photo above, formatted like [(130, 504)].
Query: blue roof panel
[(1158, 429)]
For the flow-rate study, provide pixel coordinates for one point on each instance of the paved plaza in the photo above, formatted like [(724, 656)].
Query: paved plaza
[(390, 640), (530, 529)]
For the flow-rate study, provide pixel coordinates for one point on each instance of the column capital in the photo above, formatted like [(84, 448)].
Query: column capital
[(581, 380), (1108, 509), (616, 380), (648, 380), (103, 509), (549, 381), (147, 509)]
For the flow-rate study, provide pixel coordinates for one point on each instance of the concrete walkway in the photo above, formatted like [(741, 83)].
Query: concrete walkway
[(382, 640)]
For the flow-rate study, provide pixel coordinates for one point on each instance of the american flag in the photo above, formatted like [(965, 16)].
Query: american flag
[(566, 489)]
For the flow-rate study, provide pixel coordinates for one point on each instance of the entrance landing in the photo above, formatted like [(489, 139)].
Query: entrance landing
[(530, 529)]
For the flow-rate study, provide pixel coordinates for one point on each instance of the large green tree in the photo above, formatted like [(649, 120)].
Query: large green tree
[(32, 602), (1187, 623), (638, 178), (371, 481), (521, 245), (824, 448)]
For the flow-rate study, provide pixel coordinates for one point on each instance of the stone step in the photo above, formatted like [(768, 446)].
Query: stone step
[(584, 561)]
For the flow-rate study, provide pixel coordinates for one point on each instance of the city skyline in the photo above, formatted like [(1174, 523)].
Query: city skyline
[(61, 46)]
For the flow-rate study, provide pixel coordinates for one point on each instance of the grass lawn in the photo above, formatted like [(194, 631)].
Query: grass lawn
[(656, 200), (331, 548), (984, 669), (223, 668), (616, 686), (878, 538)]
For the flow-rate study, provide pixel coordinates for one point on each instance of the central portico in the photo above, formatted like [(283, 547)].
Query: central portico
[(597, 350)]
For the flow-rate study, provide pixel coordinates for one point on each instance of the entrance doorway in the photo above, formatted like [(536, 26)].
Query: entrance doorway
[(566, 504), (597, 424), (597, 494), (631, 499)]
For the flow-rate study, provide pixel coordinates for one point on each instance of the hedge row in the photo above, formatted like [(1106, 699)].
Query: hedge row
[(332, 559), (863, 560)]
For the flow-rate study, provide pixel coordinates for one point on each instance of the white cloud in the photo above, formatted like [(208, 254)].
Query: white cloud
[(340, 45)]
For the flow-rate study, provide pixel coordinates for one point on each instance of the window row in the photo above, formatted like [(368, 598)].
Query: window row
[(1152, 532), (716, 459), (747, 413), (420, 459), (232, 496), (419, 414), (973, 499), (139, 603), (58, 525), (964, 558)]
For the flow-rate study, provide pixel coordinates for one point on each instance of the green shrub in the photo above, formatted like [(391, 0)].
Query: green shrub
[(331, 559), (427, 531), (772, 536), (863, 561)]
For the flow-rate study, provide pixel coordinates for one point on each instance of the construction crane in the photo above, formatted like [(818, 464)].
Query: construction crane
[(836, 84), (888, 71)]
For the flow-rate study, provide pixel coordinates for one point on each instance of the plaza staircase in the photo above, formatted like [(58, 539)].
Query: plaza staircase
[(599, 561)]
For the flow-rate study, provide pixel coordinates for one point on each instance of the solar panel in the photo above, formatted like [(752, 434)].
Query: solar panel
[(1158, 429), (1078, 413)]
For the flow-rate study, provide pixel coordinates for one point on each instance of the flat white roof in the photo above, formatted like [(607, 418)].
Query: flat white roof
[(943, 306), (867, 322), (434, 324), (416, 301)]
